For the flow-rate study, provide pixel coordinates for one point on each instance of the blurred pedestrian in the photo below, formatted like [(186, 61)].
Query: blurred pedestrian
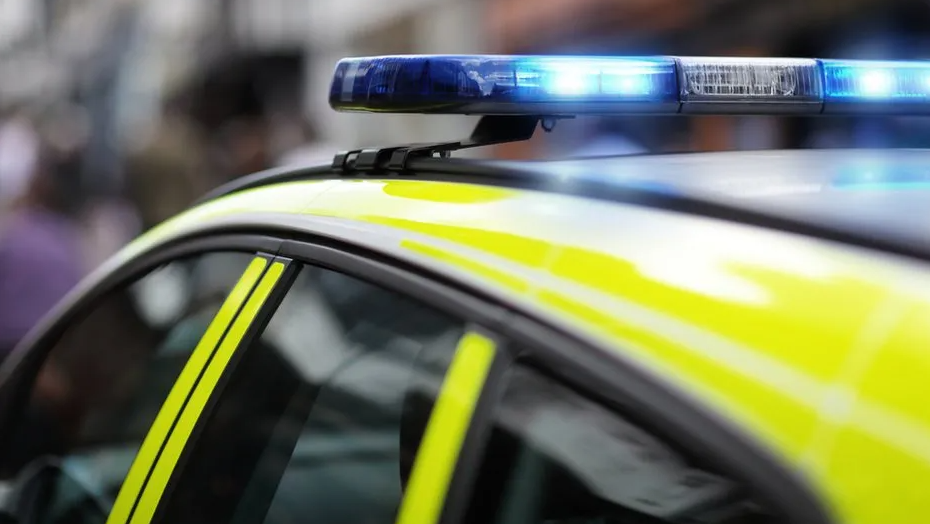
[(40, 246)]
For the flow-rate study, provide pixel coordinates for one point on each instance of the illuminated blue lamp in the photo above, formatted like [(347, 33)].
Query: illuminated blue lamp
[(505, 85), (565, 85), (874, 86)]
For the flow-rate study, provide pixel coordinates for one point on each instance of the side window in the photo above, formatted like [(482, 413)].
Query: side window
[(102, 385), (557, 457), (322, 416)]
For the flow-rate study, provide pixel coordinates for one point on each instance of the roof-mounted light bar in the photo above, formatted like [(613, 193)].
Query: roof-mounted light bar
[(562, 85)]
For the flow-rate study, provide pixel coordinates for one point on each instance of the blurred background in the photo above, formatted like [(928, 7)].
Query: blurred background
[(116, 114)]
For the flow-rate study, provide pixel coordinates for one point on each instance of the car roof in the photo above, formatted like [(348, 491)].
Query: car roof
[(867, 198), (880, 194)]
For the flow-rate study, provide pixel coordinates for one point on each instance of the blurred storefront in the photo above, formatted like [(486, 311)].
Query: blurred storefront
[(237, 67)]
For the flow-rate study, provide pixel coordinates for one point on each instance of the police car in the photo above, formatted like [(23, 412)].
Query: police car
[(407, 337)]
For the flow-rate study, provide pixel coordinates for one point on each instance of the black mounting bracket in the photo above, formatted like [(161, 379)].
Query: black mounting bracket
[(490, 130)]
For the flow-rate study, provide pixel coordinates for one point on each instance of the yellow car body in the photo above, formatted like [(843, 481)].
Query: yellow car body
[(813, 349)]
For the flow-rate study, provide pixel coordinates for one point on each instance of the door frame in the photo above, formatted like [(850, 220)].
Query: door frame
[(371, 253), (570, 355)]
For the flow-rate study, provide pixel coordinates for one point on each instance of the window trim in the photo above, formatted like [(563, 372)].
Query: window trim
[(255, 326), (22, 365), (574, 358), (406, 280), (476, 438)]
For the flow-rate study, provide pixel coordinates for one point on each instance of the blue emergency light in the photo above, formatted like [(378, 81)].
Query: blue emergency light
[(565, 85)]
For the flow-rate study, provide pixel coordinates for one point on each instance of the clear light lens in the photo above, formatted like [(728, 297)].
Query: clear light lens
[(749, 80)]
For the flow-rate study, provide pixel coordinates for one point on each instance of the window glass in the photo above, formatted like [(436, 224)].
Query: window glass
[(555, 457), (321, 419), (102, 385)]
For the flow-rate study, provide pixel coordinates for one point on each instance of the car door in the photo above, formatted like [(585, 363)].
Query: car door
[(356, 390), (320, 413), (89, 402)]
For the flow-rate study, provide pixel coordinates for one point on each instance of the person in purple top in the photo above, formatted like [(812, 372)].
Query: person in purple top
[(40, 249)]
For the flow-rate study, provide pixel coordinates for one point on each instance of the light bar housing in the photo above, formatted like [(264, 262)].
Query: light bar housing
[(576, 85)]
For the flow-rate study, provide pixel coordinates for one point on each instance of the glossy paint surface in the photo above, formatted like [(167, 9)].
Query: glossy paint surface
[(818, 350)]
